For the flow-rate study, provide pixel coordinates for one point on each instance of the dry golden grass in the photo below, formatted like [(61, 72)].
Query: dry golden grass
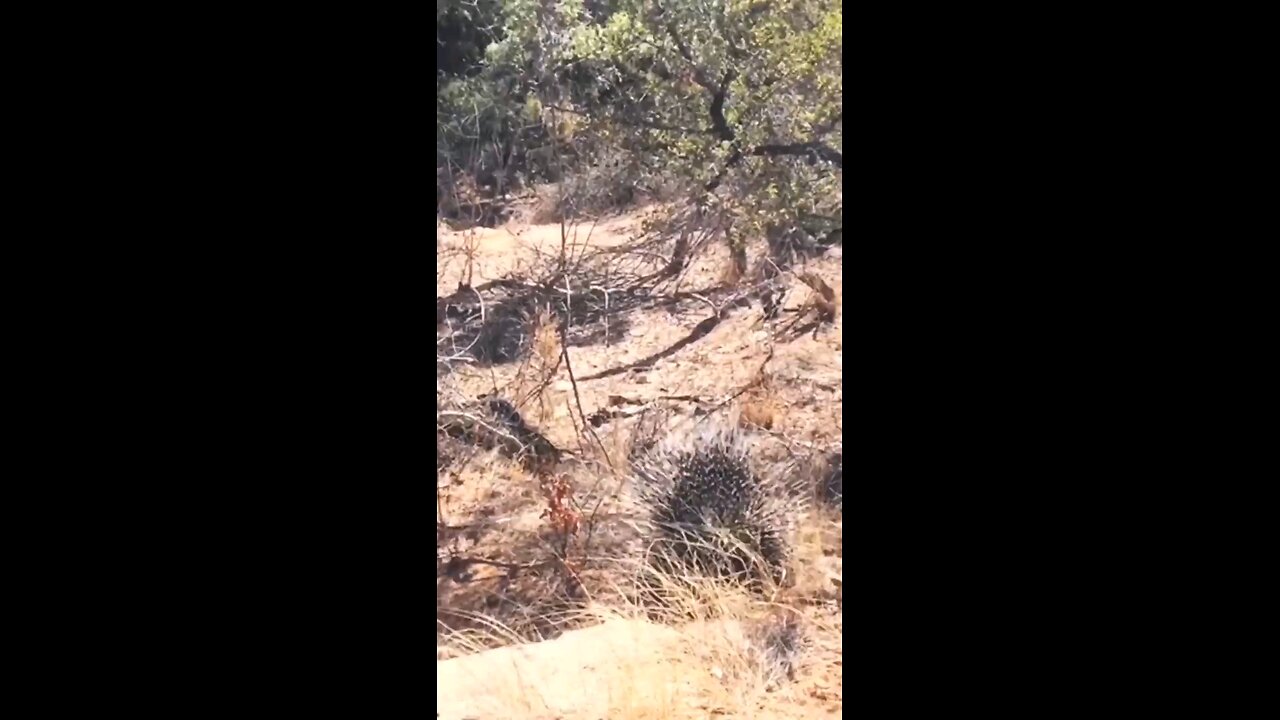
[(760, 406), (711, 651), (538, 381)]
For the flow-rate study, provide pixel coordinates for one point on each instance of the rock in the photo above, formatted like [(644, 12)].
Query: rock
[(578, 673)]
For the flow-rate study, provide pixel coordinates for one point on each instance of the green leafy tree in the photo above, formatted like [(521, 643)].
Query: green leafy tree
[(743, 98), (738, 103)]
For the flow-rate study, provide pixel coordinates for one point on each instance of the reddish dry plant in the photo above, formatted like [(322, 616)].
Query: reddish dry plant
[(565, 520)]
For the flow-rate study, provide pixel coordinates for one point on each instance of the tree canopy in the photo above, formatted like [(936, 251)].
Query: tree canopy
[(738, 103)]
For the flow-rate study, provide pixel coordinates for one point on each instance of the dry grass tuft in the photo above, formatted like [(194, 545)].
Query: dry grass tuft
[(761, 407), (546, 341), (539, 380)]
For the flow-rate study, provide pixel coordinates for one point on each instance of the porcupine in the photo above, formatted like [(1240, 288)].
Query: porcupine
[(706, 511)]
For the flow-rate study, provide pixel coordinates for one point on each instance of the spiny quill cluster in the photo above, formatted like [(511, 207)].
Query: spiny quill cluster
[(708, 513)]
